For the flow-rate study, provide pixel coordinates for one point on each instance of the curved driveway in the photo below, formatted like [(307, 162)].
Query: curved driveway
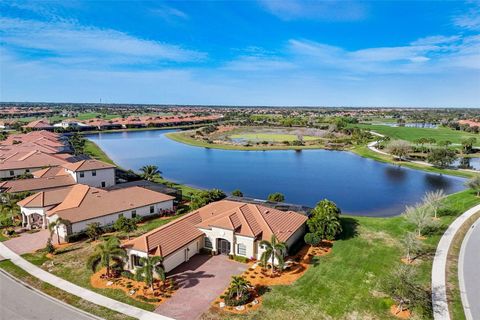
[(22, 303), (469, 272)]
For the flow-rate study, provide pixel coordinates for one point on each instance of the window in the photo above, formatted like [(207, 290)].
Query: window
[(208, 243), (94, 173), (242, 249), (27, 170), (134, 213), (152, 209), (103, 184), (136, 260), (120, 215), (82, 174), (12, 173)]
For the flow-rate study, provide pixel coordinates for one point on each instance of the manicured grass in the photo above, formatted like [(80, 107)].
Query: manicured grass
[(347, 283), (61, 295), (183, 138), (411, 133), (95, 152), (93, 115), (367, 153), (270, 137)]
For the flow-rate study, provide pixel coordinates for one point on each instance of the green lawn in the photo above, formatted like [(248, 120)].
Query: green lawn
[(95, 152), (93, 115), (271, 137), (61, 295), (182, 137), (411, 134), (367, 153), (347, 283)]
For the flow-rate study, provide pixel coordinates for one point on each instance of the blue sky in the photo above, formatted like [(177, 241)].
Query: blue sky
[(290, 52)]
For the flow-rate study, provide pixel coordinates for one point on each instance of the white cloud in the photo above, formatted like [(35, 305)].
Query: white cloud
[(333, 10), (169, 13), (470, 19), (66, 40)]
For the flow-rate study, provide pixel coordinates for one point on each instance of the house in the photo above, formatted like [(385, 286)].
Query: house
[(91, 172), (72, 124), (16, 163), (82, 205), (224, 227), (41, 124)]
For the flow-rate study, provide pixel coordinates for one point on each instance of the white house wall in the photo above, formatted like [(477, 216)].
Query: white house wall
[(111, 218), (105, 175), (17, 172)]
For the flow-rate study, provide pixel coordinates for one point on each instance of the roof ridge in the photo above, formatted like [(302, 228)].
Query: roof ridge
[(262, 218), (246, 220)]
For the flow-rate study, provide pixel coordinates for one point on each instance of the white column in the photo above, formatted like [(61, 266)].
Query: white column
[(29, 225), (44, 221), (24, 220)]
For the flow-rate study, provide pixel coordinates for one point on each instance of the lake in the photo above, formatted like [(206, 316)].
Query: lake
[(358, 185)]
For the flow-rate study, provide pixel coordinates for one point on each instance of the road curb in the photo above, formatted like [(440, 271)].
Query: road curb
[(49, 297), (439, 267), (461, 279)]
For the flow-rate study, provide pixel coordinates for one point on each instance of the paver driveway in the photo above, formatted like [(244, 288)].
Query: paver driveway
[(202, 279), (29, 242)]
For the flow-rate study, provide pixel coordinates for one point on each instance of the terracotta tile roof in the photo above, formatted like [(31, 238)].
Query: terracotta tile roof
[(26, 160), (44, 183), (246, 219), (90, 164), (44, 199), (50, 172), (85, 203), (39, 124)]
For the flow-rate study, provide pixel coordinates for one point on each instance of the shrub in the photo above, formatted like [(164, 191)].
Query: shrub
[(49, 248), (233, 301), (205, 251), (239, 258), (312, 239), (74, 237), (276, 197)]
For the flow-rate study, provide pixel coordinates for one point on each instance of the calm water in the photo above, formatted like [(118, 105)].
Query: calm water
[(359, 186)]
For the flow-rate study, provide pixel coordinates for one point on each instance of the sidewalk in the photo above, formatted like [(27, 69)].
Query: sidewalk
[(77, 290), (439, 289)]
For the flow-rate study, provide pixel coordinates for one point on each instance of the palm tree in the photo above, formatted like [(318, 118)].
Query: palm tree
[(474, 183), (239, 286), (9, 206), (105, 253), (53, 226), (273, 249), (150, 172), (149, 267)]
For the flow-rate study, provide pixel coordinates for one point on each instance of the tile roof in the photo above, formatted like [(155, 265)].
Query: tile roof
[(85, 203), (37, 184), (31, 159), (245, 219), (89, 164), (45, 199)]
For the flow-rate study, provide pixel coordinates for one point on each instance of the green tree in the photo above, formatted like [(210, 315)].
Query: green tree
[(125, 225), (105, 253), (441, 157), (237, 193), (411, 245), (474, 183), (53, 227), (274, 249), (402, 286), (399, 149), (276, 197), (94, 230), (420, 216), (150, 267), (150, 172), (325, 220), (312, 239), (203, 198), (434, 200), (467, 144)]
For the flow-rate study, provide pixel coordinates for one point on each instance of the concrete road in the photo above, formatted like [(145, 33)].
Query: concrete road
[(470, 270), (22, 303)]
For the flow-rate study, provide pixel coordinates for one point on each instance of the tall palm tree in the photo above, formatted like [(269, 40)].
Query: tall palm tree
[(9, 206), (150, 266), (105, 253), (239, 286), (53, 226), (150, 172), (273, 249)]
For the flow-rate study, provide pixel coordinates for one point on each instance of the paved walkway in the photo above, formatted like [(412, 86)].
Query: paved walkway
[(469, 272), (201, 280), (77, 290), (22, 302), (439, 291)]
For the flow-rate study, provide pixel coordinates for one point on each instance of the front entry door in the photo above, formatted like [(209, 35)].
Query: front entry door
[(224, 246)]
